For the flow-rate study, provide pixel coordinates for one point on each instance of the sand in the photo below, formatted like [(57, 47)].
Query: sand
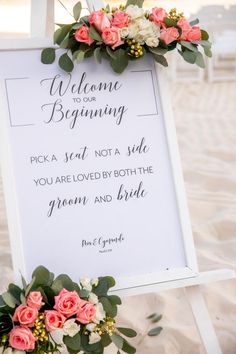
[(205, 120)]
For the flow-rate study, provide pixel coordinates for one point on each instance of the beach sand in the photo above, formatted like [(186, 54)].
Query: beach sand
[(206, 128)]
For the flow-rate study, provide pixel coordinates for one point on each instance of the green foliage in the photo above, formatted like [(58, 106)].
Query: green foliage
[(120, 62), (205, 35), (73, 343), (117, 340), (194, 22), (77, 10), (98, 55), (169, 22), (139, 3), (62, 281), (5, 324), (158, 50), (160, 59), (127, 348), (66, 63), (48, 55), (189, 46), (155, 331), (93, 33), (42, 276), (128, 332)]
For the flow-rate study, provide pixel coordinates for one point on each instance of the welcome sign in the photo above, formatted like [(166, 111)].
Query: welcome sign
[(96, 181)]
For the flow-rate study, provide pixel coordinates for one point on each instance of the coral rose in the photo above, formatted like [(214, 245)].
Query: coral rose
[(185, 27), (169, 35), (120, 19), (67, 302), (25, 315), (99, 20), (87, 313), (111, 36), (158, 15), (21, 338), (53, 320), (34, 300), (82, 35), (194, 34)]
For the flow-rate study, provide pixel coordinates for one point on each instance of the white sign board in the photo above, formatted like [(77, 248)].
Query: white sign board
[(92, 173)]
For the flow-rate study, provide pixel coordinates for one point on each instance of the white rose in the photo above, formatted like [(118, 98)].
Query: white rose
[(85, 282), (91, 327), (134, 11), (133, 29), (71, 328), (152, 41), (124, 32), (93, 298), (94, 281), (94, 338), (8, 351), (19, 352), (100, 313)]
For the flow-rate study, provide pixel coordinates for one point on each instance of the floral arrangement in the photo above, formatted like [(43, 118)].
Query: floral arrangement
[(128, 33), (53, 315)]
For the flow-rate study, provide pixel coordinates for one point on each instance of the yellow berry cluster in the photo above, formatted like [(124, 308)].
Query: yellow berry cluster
[(39, 331), (174, 15), (3, 340), (134, 48), (108, 326)]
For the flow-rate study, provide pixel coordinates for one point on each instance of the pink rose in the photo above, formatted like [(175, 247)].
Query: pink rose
[(86, 313), (194, 34), (82, 35), (185, 26), (67, 302), (111, 37), (34, 300), (120, 19), (158, 15), (99, 20), (25, 315), (21, 338), (169, 35), (53, 320)]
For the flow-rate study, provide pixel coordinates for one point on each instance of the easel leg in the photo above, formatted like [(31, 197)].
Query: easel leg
[(203, 320)]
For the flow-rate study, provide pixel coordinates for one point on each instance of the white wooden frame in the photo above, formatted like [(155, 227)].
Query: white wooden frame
[(42, 25)]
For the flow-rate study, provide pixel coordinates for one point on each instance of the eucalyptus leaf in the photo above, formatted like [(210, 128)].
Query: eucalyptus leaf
[(189, 46), (155, 331), (48, 55), (98, 55), (23, 299), (158, 50), (80, 56), (63, 280), (73, 343), (189, 57), (42, 276), (110, 52), (15, 291), (117, 340), (208, 52), (118, 65), (169, 22), (77, 10), (203, 43), (127, 348), (139, 3), (94, 34), (151, 316), (160, 59), (128, 332), (156, 318), (200, 61), (9, 299), (61, 33), (204, 35), (23, 282), (114, 299), (66, 63), (194, 22), (29, 287)]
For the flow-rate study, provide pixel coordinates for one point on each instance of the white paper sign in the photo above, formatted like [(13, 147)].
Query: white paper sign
[(93, 178)]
